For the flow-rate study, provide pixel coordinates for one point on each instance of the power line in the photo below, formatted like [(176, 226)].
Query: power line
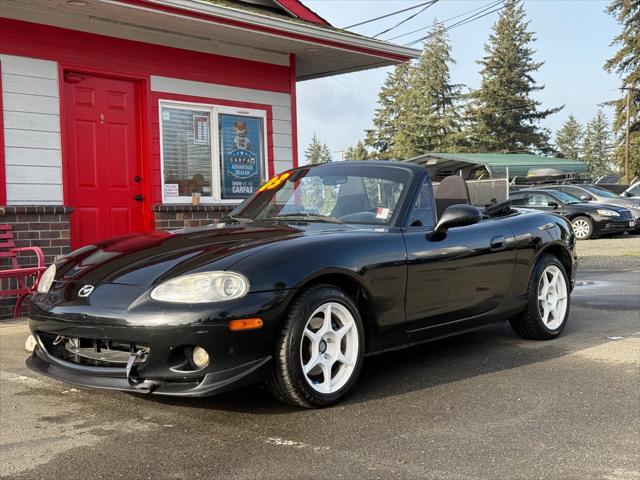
[(388, 15), (464, 21), (488, 5), (406, 19)]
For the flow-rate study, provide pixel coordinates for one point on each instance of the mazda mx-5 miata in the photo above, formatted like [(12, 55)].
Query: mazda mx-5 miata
[(321, 267)]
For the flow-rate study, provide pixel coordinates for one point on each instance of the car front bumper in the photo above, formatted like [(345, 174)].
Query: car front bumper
[(604, 225), (167, 334), (210, 384)]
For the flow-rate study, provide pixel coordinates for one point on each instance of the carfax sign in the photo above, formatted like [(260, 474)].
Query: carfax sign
[(241, 151)]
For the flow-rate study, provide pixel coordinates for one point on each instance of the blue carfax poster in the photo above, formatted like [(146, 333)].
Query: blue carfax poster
[(242, 151)]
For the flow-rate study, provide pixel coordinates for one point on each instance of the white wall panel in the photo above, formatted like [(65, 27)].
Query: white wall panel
[(32, 139), (20, 102), (32, 121), (211, 90), (22, 194), (31, 156), (282, 154), (28, 85), (31, 104), (28, 175)]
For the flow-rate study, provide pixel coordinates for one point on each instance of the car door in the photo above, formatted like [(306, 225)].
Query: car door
[(466, 272)]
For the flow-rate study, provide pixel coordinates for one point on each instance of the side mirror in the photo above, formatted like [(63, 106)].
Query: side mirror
[(586, 198), (626, 194), (457, 216), (553, 205)]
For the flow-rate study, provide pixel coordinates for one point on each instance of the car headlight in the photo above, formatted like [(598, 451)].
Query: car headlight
[(202, 288), (47, 278), (608, 213)]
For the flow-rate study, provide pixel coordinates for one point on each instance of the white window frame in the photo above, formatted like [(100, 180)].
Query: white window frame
[(216, 173)]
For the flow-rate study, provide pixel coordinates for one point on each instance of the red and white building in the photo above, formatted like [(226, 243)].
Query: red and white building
[(116, 112)]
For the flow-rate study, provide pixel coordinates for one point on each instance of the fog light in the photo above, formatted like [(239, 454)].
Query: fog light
[(199, 357)]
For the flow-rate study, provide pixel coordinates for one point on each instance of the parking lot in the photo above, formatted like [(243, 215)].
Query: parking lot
[(483, 405)]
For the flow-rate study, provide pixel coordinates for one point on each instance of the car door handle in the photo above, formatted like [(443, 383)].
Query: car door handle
[(498, 243)]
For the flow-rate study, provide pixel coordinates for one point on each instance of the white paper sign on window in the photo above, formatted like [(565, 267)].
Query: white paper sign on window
[(201, 129), (170, 190)]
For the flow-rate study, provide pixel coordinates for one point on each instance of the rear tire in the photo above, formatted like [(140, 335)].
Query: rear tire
[(582, 227), (549, 301), (320, 350)]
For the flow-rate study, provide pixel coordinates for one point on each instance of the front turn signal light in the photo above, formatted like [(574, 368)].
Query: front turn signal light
[(245, 324)]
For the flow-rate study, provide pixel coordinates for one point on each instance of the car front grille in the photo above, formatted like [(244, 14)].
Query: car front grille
[(92, 351), (626, 214)]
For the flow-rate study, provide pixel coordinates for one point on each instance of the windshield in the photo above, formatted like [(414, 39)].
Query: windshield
[(335, 193), (635, 190), (601, 191), (566, 197)]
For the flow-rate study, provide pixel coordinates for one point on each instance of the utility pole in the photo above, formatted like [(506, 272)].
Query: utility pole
[(627, 137)]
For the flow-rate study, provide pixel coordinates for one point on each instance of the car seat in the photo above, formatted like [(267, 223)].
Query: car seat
[(451, 191)]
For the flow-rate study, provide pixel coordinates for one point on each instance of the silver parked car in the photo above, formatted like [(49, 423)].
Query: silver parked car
[(632, 192)]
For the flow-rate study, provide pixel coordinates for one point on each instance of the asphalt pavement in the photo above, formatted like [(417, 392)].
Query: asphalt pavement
[(485, 405)]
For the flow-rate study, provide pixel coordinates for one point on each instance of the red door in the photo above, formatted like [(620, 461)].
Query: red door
[(102, 157)]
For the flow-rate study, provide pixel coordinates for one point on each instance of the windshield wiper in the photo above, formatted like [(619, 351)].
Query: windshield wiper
[(307, 217), (236, 219)]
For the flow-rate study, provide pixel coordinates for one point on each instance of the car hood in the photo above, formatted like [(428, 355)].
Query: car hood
[(148, 259), (592, 206)]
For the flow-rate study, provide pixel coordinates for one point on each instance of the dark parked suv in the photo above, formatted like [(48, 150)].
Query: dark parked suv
[(588, 219)]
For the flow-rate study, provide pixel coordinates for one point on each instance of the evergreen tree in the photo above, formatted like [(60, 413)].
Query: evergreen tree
[(390, 114), (626, 63), (597, 146), (569, 139), (317, 152), (359, 152), (431, 118), (505, 117)]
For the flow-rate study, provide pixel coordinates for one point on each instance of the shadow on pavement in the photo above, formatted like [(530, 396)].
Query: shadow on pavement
[(417, 368)]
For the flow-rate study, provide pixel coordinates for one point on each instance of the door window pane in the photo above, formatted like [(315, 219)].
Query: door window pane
[(186, 151), (422, 214)]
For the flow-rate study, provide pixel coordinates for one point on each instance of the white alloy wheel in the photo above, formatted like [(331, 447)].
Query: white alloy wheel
[(329, 348), (581, 228), (552, 297)]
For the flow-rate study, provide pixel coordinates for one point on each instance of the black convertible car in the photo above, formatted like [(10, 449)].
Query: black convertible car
[(322, 266)]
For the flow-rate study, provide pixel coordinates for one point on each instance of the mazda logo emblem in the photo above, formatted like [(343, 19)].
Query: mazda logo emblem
[(85, 291)]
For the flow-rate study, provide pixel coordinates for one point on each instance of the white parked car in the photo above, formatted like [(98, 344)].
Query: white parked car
[(633, 191)]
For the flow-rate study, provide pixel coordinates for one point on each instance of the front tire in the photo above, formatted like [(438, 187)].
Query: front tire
[(549, 301), (582, 227), (320, 349)]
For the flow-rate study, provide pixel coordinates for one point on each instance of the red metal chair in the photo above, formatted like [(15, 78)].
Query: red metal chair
[(9, 251)]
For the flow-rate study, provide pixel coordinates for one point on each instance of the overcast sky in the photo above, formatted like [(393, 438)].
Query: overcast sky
[(573, 39)]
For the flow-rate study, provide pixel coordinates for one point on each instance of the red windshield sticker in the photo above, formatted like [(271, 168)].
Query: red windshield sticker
[(382, 213)]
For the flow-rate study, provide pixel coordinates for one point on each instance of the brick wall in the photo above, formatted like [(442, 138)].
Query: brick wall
[(46, 227), (173, 217)]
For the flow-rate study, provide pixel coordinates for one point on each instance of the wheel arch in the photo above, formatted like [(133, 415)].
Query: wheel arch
[(573, 216), (351, 285), (559, 251)]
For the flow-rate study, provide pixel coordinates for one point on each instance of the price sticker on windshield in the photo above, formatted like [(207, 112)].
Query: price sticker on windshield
[(382, 213), (275, 182)]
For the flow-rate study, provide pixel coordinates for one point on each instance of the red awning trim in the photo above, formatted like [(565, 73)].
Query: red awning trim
[(210, 17)]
